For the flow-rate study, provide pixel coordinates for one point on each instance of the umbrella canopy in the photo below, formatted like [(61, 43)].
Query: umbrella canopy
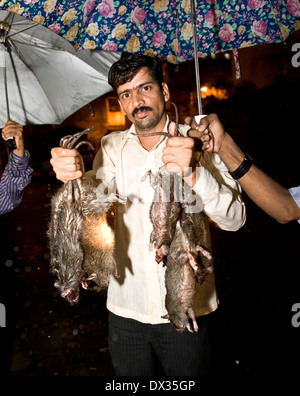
[(42, 80), (173, 30), (176, 31), (68, 18), (164, 27)]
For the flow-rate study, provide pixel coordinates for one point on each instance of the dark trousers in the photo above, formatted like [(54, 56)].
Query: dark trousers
[(139, 349)]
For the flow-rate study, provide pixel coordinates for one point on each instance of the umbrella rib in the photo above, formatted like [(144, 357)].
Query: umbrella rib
[(33, 44), (17, 80), (23, 30), (177, 30), (11, 16), (11, 46), (26, 41), (5, 89)]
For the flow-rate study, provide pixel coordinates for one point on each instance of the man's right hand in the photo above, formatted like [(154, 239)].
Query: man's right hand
[(210, 131), (67, 164)]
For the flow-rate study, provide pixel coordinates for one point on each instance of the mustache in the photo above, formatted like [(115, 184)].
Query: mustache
[(142, 108)]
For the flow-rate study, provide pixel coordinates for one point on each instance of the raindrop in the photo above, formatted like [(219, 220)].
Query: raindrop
[(16, 249), (8, 263), (46, 256), (28, 268), (19, 228), (237, 362), (75, 332), (46, 165)]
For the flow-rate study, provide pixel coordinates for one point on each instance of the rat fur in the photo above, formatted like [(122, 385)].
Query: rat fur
[(80, 240)]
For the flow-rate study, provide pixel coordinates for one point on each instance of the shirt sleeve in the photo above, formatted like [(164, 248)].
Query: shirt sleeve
[(15, 178), (295, 193), (220, 202)]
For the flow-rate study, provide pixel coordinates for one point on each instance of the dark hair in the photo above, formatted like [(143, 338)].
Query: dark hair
[(129, 64)]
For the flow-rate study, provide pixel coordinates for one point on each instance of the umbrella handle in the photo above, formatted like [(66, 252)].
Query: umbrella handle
[(196, 60), (3, 77), (10, 144)]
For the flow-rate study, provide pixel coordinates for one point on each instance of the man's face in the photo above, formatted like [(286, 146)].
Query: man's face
[(143, 101)]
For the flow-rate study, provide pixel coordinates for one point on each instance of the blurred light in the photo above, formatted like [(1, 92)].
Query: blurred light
[(216, 92), (115, 115), (8, 263)]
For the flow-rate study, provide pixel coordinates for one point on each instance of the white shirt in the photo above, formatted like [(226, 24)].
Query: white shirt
[(140, 291)]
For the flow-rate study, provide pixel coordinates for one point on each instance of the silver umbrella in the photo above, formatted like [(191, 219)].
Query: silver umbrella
[(42, 80)]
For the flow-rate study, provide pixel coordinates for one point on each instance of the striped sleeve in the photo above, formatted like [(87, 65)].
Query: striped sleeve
[(16, 176), (295, 193)]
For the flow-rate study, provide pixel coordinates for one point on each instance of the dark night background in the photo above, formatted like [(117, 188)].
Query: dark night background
[(257, 268)]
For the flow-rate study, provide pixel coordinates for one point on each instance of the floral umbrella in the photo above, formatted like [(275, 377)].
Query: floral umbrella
[(178, 31), (66, 18), (165, 27)]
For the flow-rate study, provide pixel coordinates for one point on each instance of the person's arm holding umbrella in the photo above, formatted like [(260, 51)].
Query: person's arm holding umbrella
[(17, 173), (277, 201)]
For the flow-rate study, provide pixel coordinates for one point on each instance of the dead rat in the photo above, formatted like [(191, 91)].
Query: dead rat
[(164, 212), (66, 253), (188, 261), (166, 206), (181, 239), (97, 237), (81, 242), (180, 284), (196, 229)]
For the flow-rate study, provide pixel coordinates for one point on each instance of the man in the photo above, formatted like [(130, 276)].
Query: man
[(16, 175), (14, 180), (136, 300), (280, 203)]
